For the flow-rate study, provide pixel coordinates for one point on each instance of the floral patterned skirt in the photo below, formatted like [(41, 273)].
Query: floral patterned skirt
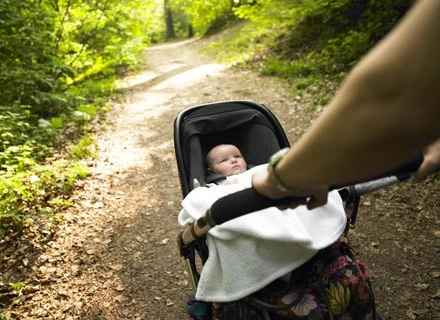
[(332, 285)]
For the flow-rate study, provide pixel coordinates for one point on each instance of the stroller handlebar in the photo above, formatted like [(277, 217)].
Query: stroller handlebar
[(249, 200)]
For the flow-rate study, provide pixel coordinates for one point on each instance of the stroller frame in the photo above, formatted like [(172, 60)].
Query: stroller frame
[(257, 132), (198, 128)]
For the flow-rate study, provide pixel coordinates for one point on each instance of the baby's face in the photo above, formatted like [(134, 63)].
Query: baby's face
[(226, 159)]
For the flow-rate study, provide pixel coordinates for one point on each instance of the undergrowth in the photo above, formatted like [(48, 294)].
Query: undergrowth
[(251, 46), (240, 44), (42, 158), (312, 44)]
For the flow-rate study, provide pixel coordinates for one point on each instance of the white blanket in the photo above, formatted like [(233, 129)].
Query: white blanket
[(247, 253)]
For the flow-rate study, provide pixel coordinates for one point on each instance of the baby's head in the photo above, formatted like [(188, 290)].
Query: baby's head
[(225, 159)]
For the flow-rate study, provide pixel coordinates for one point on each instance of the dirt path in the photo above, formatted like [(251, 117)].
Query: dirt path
[(115, 256)]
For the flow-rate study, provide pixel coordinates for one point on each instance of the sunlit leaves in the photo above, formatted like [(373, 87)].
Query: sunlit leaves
[(205, 13), (34, 193), (47, 45), (56, 122)]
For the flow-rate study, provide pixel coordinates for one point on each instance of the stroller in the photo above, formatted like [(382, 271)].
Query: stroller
[(254, 129)]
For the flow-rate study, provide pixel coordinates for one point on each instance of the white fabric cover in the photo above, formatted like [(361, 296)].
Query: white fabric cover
[(247, 253)]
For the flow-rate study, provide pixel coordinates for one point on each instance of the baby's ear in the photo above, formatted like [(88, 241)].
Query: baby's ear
[(209, 170)]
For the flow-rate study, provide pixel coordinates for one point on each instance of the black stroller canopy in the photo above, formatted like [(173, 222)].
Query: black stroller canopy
[(248, 125)]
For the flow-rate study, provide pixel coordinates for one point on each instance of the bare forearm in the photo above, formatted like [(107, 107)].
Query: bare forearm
[(387, 110)]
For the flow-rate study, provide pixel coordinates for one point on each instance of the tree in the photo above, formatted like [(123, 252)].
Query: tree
[(47, 46), (169, 20)]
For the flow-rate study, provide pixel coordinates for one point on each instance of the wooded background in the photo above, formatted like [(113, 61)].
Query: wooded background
[(60, 58)]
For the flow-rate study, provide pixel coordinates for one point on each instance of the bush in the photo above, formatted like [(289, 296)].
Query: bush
[(24, 139), (34, 194), (341, 53)]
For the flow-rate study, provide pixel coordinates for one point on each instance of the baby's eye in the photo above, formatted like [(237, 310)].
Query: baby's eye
[(224, 160)]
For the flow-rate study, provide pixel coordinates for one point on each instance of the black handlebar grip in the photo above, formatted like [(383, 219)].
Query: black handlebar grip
[(243, 202), (249, 200)]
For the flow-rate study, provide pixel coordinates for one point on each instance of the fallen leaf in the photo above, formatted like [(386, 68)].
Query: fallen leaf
[(98, 205), (412, 314), (116, 267), (375, 244), (421, 286), (121, 298)]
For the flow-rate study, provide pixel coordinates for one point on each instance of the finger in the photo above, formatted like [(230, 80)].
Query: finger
[(426, 168), (283, 207), (292, 205), (295, 204), (317, 200)]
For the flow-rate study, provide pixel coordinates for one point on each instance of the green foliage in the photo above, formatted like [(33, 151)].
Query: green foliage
[(24, 139), (100, 32), (345, 50), (59, 60), (334, 33), (286, 69), (25, 52), (17, 286), (32, 185), (48, 46), (4, 316), (206, 16), (268, 13), (381, 16), (29, 195), (316, 41), (243, 42), (84, 148)]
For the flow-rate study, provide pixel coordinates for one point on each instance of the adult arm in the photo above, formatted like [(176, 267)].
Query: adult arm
[(387, 110)]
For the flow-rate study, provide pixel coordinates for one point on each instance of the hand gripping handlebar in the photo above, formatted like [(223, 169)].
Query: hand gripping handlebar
[(249, 200)]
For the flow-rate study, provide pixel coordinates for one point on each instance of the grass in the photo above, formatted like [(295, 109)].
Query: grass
[(239, 44), (249, 45)]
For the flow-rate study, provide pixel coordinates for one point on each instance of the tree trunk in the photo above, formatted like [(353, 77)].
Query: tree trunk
[(190, 31), (169, 20)]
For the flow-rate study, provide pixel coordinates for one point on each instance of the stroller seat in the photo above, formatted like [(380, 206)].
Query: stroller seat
[(257, 133), (246, 124)]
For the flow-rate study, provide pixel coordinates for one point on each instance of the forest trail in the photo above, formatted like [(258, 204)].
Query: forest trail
[(115, 257)]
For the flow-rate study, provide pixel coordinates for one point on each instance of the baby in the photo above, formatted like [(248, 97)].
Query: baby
[(225, 159), (248, 253)]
